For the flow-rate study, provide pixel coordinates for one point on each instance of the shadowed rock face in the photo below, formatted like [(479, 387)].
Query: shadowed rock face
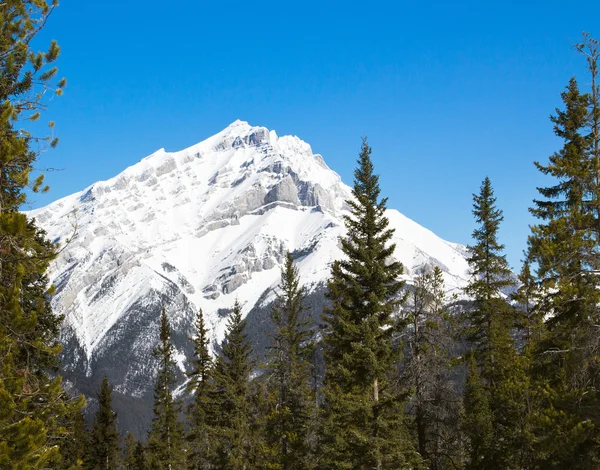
[(194, 229)]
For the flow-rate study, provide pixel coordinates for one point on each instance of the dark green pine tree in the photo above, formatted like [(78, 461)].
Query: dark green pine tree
[(202, 412), (166, 439), (490, 276), (75, 445), (564, 246), (288, 372), (489, 329), (435, 399), (232, 370), (104, 437), (33, 404), (128, 455), (363, 422), (477, 423), (140, 460)]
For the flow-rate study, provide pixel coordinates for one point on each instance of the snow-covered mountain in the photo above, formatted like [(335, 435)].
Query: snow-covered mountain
[(200, 228)]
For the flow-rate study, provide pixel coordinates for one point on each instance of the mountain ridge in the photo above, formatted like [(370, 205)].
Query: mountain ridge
[(200, 228)]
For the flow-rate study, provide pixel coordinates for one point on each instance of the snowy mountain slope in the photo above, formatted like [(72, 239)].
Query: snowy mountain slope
[(195, 229)]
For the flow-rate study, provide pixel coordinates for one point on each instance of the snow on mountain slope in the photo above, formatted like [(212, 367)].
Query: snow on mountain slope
[(200, 228), (215, 219)]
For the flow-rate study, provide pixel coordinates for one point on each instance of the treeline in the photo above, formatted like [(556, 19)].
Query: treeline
[(506, 378)]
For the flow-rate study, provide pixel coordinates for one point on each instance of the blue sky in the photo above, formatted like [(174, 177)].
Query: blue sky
[(447, 93)]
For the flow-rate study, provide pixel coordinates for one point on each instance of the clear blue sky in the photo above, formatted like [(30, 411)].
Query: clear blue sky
[(447, 92)]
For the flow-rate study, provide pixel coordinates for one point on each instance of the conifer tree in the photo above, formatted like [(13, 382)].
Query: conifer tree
[(435, 401), (33, 405), (140, 457), (231, 379), (203, 411), (289, 374), (104, 438), (490, 275), (75, 445), (363, 421), (478, 421), (128, 457), (564, 246), (489, 328), (166, 439)]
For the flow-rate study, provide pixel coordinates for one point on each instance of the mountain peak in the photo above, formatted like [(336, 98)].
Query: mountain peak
[(211, 222)]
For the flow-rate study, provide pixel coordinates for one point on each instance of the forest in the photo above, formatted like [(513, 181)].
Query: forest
[(393, 376)]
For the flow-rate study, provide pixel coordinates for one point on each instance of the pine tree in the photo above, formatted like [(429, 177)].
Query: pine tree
[(490, 324), (104, 438), (140, 458), (75, 445), (363, 423), (33, 405), (202, 412), (231, 378), (166, 439), (435, 401), (478, 421), (564, 246), (128, 456), (289, 374), (490, 275)]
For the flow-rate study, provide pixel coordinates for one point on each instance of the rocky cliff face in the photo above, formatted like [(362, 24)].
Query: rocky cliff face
[(195, 229)]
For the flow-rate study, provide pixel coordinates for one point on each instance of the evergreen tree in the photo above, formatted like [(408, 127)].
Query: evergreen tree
[(478, 421), (166, 439), (76, 443), (363, 422), (490, 275), (490, 324), (231, 379), (289, 374), (202, 412), (564, 246), (104, 438), (128, 457), (140, 461), (33, 405), (435, 401)]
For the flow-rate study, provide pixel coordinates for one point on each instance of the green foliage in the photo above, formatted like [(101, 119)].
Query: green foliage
[(363, 420), (232, 370), (33, 405), (104, 438), (128, 456), (203, 411), (478, 421), (565, 248), (140, 460), (166, 439), (490, 324), (75, 444), (428, 370), (288, 372)]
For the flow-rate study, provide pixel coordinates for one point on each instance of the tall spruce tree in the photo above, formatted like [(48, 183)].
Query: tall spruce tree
[(202, 412), (75, 444), (166, 440), (33, 405), (490, 323), (232, 370), (363, 421), (104, 438), (140, 459), (128, 455), (435, 399), (289, 375), (564, 246), (478, 421)]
